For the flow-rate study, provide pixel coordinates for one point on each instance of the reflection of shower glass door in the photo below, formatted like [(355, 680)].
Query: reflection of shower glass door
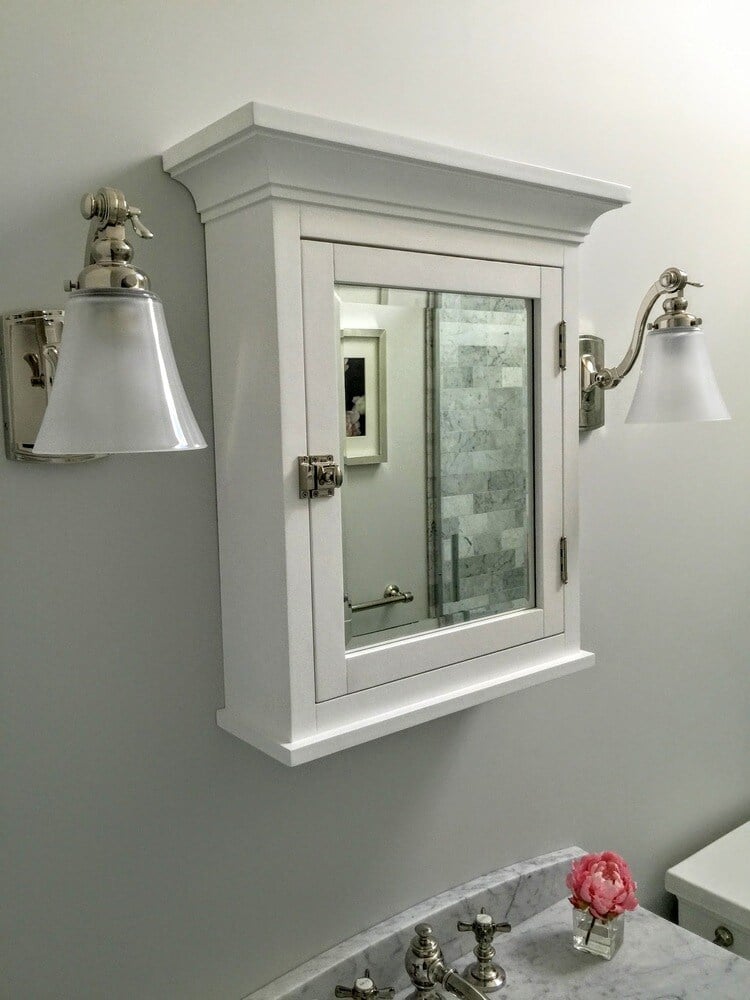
[(444, 513), (482, 483)]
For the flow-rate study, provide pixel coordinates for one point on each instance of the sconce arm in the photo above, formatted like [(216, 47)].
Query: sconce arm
[(673, 280)]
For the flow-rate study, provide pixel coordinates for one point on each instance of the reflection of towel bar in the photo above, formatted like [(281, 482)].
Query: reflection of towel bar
[(391, 595)]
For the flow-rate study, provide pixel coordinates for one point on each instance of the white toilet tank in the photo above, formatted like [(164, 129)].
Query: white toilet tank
[(713, 890)]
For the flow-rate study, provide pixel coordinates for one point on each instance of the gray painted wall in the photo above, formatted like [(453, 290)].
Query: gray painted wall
[(146, 853)]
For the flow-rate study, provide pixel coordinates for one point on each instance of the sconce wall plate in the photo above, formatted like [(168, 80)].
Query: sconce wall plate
[(29, 359), (591, 413)]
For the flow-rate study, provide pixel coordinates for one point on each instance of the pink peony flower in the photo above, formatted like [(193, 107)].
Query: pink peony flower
[(602, 884)]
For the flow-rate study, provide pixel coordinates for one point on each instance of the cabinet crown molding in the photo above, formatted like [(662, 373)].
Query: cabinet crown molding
[(273, 153)]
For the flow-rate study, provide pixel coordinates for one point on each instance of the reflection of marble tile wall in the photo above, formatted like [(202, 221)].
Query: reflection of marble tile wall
[(484, 452)]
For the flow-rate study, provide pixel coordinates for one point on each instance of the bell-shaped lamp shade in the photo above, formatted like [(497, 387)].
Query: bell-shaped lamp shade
[(116, 389), (677, 381)]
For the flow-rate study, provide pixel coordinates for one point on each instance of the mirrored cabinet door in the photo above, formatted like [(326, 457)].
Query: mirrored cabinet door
[(442, 518), (433, 381)]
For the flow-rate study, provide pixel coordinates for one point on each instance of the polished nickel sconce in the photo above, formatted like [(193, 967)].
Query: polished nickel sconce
[(101, 377), (677, 381)]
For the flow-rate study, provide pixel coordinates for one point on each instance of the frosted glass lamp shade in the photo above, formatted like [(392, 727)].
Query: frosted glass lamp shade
[(677, 381), (117, 388)]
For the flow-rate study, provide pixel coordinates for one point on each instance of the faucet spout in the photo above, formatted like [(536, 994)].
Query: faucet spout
[(459, 987)]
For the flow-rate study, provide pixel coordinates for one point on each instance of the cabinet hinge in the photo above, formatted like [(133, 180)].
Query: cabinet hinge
[(564, 560), (319, 476), (562, 344)]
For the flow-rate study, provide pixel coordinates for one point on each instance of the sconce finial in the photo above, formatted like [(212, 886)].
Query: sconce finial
[(108, 254)]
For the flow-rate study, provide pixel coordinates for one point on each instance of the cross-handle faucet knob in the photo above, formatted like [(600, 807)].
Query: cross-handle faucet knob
[(484, 927), (484, 972), (365, 989)]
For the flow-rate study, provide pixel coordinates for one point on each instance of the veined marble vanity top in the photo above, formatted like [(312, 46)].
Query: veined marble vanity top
[(658, 960)]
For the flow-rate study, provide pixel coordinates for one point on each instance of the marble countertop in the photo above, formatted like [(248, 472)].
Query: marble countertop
[(657, 961)]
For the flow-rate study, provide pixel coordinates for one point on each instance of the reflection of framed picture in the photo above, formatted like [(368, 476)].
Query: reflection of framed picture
[(364, 396)]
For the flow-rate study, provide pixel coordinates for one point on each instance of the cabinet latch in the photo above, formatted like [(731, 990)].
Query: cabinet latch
[(319, 476)]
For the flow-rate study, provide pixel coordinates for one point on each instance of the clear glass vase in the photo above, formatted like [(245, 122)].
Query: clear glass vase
[(596, 936)]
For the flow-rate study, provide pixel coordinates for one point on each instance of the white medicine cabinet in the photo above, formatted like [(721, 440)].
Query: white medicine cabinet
[(395, 423)]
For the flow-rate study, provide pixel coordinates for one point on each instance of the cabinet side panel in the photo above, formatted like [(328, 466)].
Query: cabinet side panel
[(252, 486)]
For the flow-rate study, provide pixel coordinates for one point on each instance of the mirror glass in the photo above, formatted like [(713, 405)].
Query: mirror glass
[(437, 452)]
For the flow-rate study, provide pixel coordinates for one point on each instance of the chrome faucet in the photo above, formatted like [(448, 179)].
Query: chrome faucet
[(426, 968)]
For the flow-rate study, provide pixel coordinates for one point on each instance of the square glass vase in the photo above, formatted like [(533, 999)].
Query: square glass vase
[(596, 936)]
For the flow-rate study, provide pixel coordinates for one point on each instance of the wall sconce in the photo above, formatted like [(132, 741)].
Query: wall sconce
[(677, 381), (112, 386)]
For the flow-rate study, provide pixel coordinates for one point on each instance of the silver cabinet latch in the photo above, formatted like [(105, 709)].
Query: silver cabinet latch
[(319, 476)]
